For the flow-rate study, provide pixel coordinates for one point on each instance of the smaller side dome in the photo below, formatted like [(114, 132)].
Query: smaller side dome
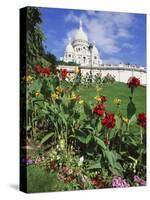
[(69, 48), (95, 50)]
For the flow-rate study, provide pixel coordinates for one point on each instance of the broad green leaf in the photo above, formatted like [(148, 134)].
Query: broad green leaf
[(110, 158), (132, 120), (100, 142), (115, 171), (131, 109), (95, 165), (88, 138), (47, 137), (84, 139), (118, 166)]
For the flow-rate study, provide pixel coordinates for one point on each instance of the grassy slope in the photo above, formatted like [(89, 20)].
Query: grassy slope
[(119, 90), (41, 181)]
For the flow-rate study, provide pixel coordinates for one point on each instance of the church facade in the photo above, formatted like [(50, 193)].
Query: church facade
[(81, 51)]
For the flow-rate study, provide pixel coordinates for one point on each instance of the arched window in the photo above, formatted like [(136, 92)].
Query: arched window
[(69, 55), (84, 58)]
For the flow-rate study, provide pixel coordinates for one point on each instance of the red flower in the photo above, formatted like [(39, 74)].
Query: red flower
[(141, 120), (95, 182), (42, 70), (133, 82), (46, 71), (109, 120), (103, 99), (38, 69), (99, 109), (64, 73)]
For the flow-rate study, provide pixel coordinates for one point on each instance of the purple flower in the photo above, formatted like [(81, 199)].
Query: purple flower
[(142, 182), (139, 180), (27, 161), (119, 182)]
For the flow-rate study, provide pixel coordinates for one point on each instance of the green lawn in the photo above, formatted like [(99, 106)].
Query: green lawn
[(119, 90), (41, 181)]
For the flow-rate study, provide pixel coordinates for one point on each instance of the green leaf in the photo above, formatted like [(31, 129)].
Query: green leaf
[(45, 111), (100, 142), (87, 110), (63, 118), (110, 158), (89, 153), (88, 139), (132, 120), (47, 137), (95, 165), (115, 171), (131, 109), (118, 122), (84, 139)]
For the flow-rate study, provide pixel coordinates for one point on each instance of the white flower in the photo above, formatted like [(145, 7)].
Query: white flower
[(80, 163)]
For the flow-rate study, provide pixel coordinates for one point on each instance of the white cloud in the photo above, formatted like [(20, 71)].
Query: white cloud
[(112, 61), (127, 45), (105, 28)]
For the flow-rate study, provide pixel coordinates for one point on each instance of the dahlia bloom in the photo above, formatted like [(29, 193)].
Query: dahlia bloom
[(99, 110), (133, 82), (109, 120), (141, 120)]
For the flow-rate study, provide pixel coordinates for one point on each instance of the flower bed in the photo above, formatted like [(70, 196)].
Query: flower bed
[(82, 142)]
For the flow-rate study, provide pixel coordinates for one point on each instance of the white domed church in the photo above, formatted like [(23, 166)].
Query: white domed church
[(81, 51)]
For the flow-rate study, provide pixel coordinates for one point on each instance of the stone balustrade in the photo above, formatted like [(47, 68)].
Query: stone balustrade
[(121, 72)]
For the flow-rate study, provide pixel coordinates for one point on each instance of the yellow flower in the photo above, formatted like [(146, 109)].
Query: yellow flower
[(117, 101), (29, 78), (125, 120), (97, 98), (76, 70), (81, 102), (98, 89), (54, 96), (73, 96), (59, 90), (37, 94)]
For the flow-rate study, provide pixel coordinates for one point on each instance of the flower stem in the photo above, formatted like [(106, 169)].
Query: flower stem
[(141, 133)]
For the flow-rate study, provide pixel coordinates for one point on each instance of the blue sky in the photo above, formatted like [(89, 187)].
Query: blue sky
[(119, 37)]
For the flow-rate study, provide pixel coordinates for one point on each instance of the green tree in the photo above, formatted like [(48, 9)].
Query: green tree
[(35, 37), (52, 60)]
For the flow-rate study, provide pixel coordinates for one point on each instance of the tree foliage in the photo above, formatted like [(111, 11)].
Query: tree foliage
[(35, 52)]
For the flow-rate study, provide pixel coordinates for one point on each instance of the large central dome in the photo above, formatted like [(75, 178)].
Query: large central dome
[(80, 34), (78, 50)]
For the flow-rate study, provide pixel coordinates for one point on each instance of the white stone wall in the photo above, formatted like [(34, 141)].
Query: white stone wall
[(122, 74)]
